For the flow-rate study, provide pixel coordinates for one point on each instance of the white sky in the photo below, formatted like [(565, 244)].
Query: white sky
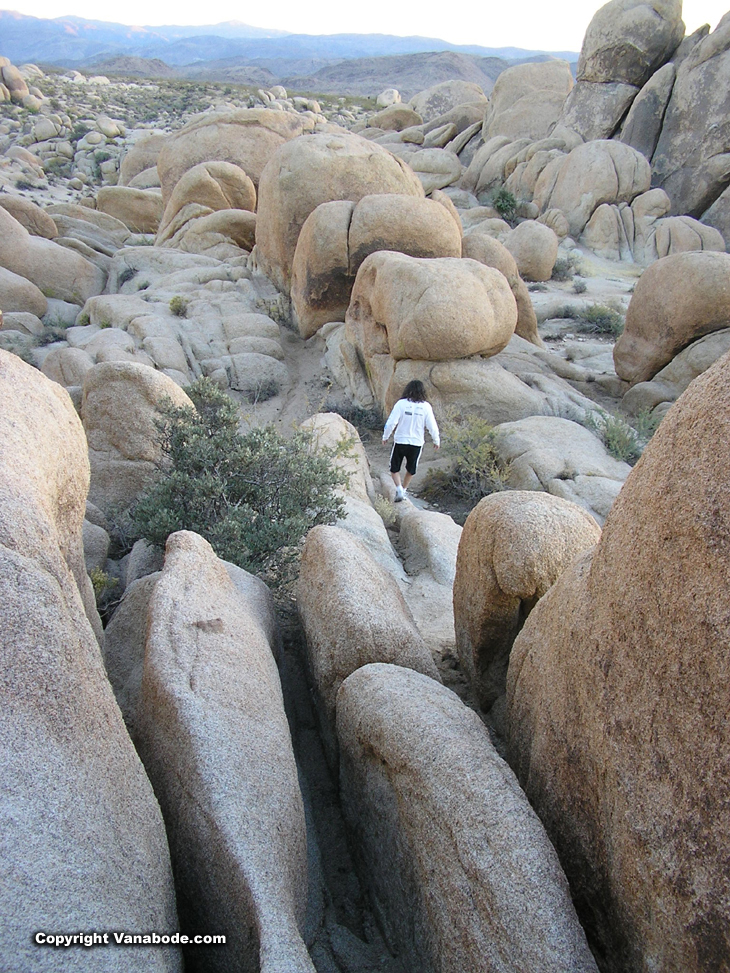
[(489, 23)]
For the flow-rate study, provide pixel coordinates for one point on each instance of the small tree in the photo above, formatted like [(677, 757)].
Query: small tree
[(253, 496)]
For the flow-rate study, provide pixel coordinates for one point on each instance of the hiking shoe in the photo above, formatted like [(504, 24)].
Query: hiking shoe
[(399, 494)]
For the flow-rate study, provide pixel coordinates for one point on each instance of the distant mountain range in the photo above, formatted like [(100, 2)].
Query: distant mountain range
[(75, 42)]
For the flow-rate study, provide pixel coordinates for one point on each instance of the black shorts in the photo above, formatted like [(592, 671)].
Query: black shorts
[(404, 451)]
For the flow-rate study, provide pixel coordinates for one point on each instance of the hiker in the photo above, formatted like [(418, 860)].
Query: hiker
[(410, 417)]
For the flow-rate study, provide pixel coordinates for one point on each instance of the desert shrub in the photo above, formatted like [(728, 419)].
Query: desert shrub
[(601, 319), (252, 495), (50, 333), (361, 419), (597, 319), (23, 184), (505, 204), (563, 269), (103, 585), (623, 440), (179, 306), (262, 391), (579, 286), (476, 468), (385, 509)]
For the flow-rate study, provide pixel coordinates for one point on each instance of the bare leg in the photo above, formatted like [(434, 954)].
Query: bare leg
[(406, 480), (396, 478)]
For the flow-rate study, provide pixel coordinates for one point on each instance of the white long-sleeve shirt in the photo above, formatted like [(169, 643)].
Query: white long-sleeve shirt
[(409, 419)]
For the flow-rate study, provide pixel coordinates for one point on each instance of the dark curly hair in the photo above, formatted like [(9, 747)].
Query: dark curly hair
[(415, 391)]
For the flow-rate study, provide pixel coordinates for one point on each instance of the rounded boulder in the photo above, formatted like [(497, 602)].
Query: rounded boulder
[(677, 299), (317, 169), (436, 310)]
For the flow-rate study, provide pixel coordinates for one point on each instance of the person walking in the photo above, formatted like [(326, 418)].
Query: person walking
[(410, 417)]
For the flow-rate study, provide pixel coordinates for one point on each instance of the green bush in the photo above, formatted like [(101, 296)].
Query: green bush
[(179, 306), (597, 319), (476, 468), (563, 269), (253, 496), (623, 441), (601, 319), (505, 204), (579, 286)]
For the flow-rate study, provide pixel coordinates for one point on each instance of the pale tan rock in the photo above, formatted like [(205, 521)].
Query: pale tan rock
[(108, 224), (527, 99), (436, 310), (617, 697), (625, 43), (138, 209), (215, 741), (514, 547), (390, 96), (124, 644), (353, 614), (492, 253), (67, 366), (81, 826), (596, 172), (445, 96), (247, 137), (200, 235), (250, 372), (119, 407), (36, 220), (395, 118), (677, 300), (139, 158), (535, 249), (330, 430), (15, 83), (58, 272), (669, 382), (436, 168), (217, 185), (22, 321), (338, 236), (458, 866), (316, 169), (562, 458), (17, 293), (690, 161), (643, 124)]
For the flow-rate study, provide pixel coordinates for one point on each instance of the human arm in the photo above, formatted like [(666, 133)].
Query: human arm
[(393, 420), (432, 427)]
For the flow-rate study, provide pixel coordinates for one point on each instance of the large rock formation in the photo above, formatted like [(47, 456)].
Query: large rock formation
[(316, 169), (433, 310), (527, 99), (58, 272), (353, 614), (119, 407), (492, 253), (460, 872), (563, 458), (514, 546), (593, 173), (215, 185), (247, 137), (215, 741), (83, 842), (618, 695), (338, 236), (445, 96), (691, 160), (677, 300), (626, 42)]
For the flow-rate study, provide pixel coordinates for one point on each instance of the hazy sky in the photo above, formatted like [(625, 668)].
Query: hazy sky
[(490, 23)]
